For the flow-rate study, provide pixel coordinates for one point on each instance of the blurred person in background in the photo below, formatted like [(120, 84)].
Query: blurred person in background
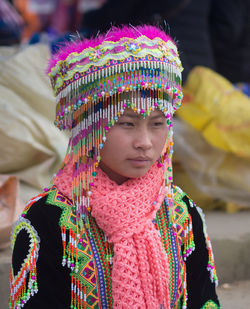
[(230, 38), (211, 33), (54, 17), (31, 20), (10, 24), (187, 20)]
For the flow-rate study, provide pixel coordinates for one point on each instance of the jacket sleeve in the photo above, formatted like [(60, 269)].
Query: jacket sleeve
[(38, 279), (201, 274)]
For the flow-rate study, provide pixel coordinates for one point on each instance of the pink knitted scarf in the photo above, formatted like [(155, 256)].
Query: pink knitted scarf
[(140, 275)]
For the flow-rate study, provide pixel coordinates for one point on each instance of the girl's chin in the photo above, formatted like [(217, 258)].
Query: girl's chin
[(122, 175), (138, 172)]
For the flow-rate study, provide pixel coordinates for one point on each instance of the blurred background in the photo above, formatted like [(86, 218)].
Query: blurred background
[(212, 129)]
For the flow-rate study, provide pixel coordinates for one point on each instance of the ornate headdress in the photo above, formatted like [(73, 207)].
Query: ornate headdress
[(96, 80)]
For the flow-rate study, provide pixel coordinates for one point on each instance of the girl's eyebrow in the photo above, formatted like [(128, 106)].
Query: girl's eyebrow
[(134, 115), (157, 116)]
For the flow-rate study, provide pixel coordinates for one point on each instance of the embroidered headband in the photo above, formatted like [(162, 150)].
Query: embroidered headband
[(95, 80)]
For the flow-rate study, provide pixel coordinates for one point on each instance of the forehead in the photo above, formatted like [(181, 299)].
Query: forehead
[(132, 114)]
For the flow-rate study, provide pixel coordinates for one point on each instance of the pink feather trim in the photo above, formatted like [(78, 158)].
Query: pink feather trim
[(114, 35)]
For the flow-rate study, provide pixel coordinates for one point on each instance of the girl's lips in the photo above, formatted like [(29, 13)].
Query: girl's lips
[(139, 162)]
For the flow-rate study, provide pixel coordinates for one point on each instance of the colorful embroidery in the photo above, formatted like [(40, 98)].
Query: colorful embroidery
[(103, 257), (95, 54), (77, 255), (63, 69), (31, 202), (210, 305), (184, 223), (132, 46), (24, 284), (184, 229), (189, 245), (172, 247), (89, 256)]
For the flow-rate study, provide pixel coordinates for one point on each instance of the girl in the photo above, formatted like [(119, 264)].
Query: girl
[(113, 231)]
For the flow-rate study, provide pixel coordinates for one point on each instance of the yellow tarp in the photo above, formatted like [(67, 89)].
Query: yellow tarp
[(214, 107), (213, 138)]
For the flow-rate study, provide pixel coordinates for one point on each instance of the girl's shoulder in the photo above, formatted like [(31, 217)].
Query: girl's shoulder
[(42, 202), (41, 215), (181, 207), (41, 218), (45, 208), (185, 207), (187, 216)]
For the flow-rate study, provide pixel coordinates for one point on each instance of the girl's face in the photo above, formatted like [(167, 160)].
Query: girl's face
[(133, 145)]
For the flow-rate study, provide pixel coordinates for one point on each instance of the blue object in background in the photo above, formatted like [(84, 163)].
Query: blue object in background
[(244, 87)]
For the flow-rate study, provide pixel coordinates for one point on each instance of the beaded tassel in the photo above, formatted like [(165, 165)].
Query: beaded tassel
[(211, 265), (21, 289), (63, 233), (189, 245), (168, 174), (109, 255), (185, 292), (70, 259), (78, 298)]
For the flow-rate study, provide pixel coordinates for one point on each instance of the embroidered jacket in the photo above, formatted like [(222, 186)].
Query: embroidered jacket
[(56, 266)]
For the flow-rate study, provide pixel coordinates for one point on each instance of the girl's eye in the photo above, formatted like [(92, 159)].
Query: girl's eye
[(157, 124)]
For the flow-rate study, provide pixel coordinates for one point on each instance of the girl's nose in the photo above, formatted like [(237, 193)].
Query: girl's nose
[(142, 139)]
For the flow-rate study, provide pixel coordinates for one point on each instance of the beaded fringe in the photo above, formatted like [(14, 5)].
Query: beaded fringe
[(78, 294), (210, 264), (24, 284), (70, 260), (185, 292), (189, 245)]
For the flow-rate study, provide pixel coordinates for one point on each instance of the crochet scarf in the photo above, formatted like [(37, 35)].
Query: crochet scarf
[(140, 274)]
